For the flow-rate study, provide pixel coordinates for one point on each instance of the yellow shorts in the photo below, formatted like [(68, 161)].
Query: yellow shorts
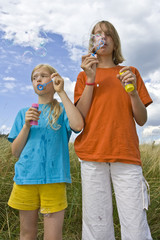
[(48, 198)]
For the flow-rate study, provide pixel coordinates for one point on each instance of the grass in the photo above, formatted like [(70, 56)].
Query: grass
[(9, 219)]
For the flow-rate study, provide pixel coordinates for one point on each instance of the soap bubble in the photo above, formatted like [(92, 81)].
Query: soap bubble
[(40, 51), (27, 57), (44, 38), (38, 38)]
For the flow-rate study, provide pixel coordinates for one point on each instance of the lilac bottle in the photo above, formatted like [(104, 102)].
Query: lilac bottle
[(34, 105)]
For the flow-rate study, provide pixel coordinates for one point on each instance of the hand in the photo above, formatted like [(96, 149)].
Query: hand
[(31, 115), (58, 82), (89, 66), (128, 76)]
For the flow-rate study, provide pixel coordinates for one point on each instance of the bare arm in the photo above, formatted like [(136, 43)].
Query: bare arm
[(20, 141), (139, 110), (74, 116), (89, 66)]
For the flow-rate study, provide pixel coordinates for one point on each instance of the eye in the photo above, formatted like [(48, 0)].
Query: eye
[(97, 35), (108, 34), (34, 78)]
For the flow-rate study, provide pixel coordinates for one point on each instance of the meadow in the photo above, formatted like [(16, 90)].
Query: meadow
[(9, 219)]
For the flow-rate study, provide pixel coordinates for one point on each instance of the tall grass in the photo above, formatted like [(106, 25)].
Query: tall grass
[(9, 219)]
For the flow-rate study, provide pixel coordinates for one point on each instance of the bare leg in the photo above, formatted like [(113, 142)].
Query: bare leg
[(53, 224), (28, 224)]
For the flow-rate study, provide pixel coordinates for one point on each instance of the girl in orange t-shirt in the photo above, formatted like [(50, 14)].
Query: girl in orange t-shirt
[(108, 146)]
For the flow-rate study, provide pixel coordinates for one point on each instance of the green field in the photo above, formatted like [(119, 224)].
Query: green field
[(9, 220)]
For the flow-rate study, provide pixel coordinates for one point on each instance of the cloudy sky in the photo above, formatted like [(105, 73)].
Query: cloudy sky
[(57, 32)]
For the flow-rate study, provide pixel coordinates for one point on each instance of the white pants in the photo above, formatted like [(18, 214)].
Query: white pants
[(131, 197)]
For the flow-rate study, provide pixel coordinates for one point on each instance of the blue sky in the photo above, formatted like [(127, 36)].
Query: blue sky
[(33, 32)]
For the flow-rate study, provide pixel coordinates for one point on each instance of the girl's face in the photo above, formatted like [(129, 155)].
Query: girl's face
[(102, 33), (42, 76)]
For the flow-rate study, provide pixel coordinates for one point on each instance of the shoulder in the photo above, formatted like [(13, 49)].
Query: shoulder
[(23, 111), (135, 70), (81, 75)]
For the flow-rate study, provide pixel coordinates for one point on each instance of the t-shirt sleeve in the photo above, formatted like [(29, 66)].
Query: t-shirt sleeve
[(142, 90), (79, 87), (66, 121), (17, 126)]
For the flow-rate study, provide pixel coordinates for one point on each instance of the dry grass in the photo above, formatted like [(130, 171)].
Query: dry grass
[(9, 220)]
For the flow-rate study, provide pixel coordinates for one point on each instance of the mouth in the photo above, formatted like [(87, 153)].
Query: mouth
[(105, 45), (40, 87)]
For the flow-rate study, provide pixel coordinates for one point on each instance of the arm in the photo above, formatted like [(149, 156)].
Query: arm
[(75, 119), (89, 66), (20, 141), (139, 110)]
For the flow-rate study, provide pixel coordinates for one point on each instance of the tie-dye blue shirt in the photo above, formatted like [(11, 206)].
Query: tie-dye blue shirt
[(45, 157)]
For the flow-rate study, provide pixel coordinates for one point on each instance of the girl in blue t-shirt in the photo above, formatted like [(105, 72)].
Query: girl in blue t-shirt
[(43, 167)]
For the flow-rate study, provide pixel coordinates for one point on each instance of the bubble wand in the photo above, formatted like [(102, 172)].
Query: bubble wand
[(101, 44), (40, 87)]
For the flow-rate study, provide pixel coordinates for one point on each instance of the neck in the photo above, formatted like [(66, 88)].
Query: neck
[(105, 62), (45, 99)]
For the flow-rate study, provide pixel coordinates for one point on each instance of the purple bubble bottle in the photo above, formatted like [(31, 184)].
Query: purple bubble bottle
[(34, 105)]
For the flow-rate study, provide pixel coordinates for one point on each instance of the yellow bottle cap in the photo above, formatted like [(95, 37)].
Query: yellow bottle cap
[(122, 72), (129, 87)]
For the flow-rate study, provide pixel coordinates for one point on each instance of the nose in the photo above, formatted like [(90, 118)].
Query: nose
[(103, 36), (39, 78)]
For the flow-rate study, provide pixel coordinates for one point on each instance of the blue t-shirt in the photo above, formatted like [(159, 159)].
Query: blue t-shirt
[(45, 157)]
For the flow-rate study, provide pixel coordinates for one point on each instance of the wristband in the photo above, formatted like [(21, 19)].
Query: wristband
[(90, 84)]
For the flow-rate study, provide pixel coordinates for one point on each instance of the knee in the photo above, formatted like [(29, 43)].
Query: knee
[(28, 233)]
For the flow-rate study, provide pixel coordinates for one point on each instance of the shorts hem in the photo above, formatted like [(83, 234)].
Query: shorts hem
[(18, 207), (54, 209)]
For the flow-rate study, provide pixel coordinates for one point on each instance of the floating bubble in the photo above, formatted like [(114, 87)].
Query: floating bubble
[(40, 38), (44, 38), (40, 51), (27, 57)]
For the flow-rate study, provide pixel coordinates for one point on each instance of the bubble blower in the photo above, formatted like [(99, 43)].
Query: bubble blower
[(129, 87), (100, 44), (32, 122), (40, 87)]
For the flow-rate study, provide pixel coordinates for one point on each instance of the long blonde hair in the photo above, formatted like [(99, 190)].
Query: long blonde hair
[(117, 53), (54, 106)]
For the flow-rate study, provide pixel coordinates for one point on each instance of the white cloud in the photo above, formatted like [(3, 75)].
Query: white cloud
[(10, 86), (139, 19), (151, 130), (9, 79), (4, 129), (157, 141), (26, 88), (76, 53), (153, 86), (69, 89)]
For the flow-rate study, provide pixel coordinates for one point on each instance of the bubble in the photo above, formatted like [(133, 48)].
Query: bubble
[(40, 51), (44, 38), (27, 57)]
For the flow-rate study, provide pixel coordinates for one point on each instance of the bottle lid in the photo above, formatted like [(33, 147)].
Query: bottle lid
[(36, 105), (129, 87)]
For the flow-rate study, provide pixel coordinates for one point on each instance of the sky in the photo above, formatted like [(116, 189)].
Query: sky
[(57, 33)]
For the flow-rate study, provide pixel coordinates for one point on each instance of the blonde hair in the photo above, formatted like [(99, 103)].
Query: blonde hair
[(117, 53), (54, 106)]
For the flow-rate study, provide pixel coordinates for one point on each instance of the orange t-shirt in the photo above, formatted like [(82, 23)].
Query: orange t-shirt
[(110, 133)]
